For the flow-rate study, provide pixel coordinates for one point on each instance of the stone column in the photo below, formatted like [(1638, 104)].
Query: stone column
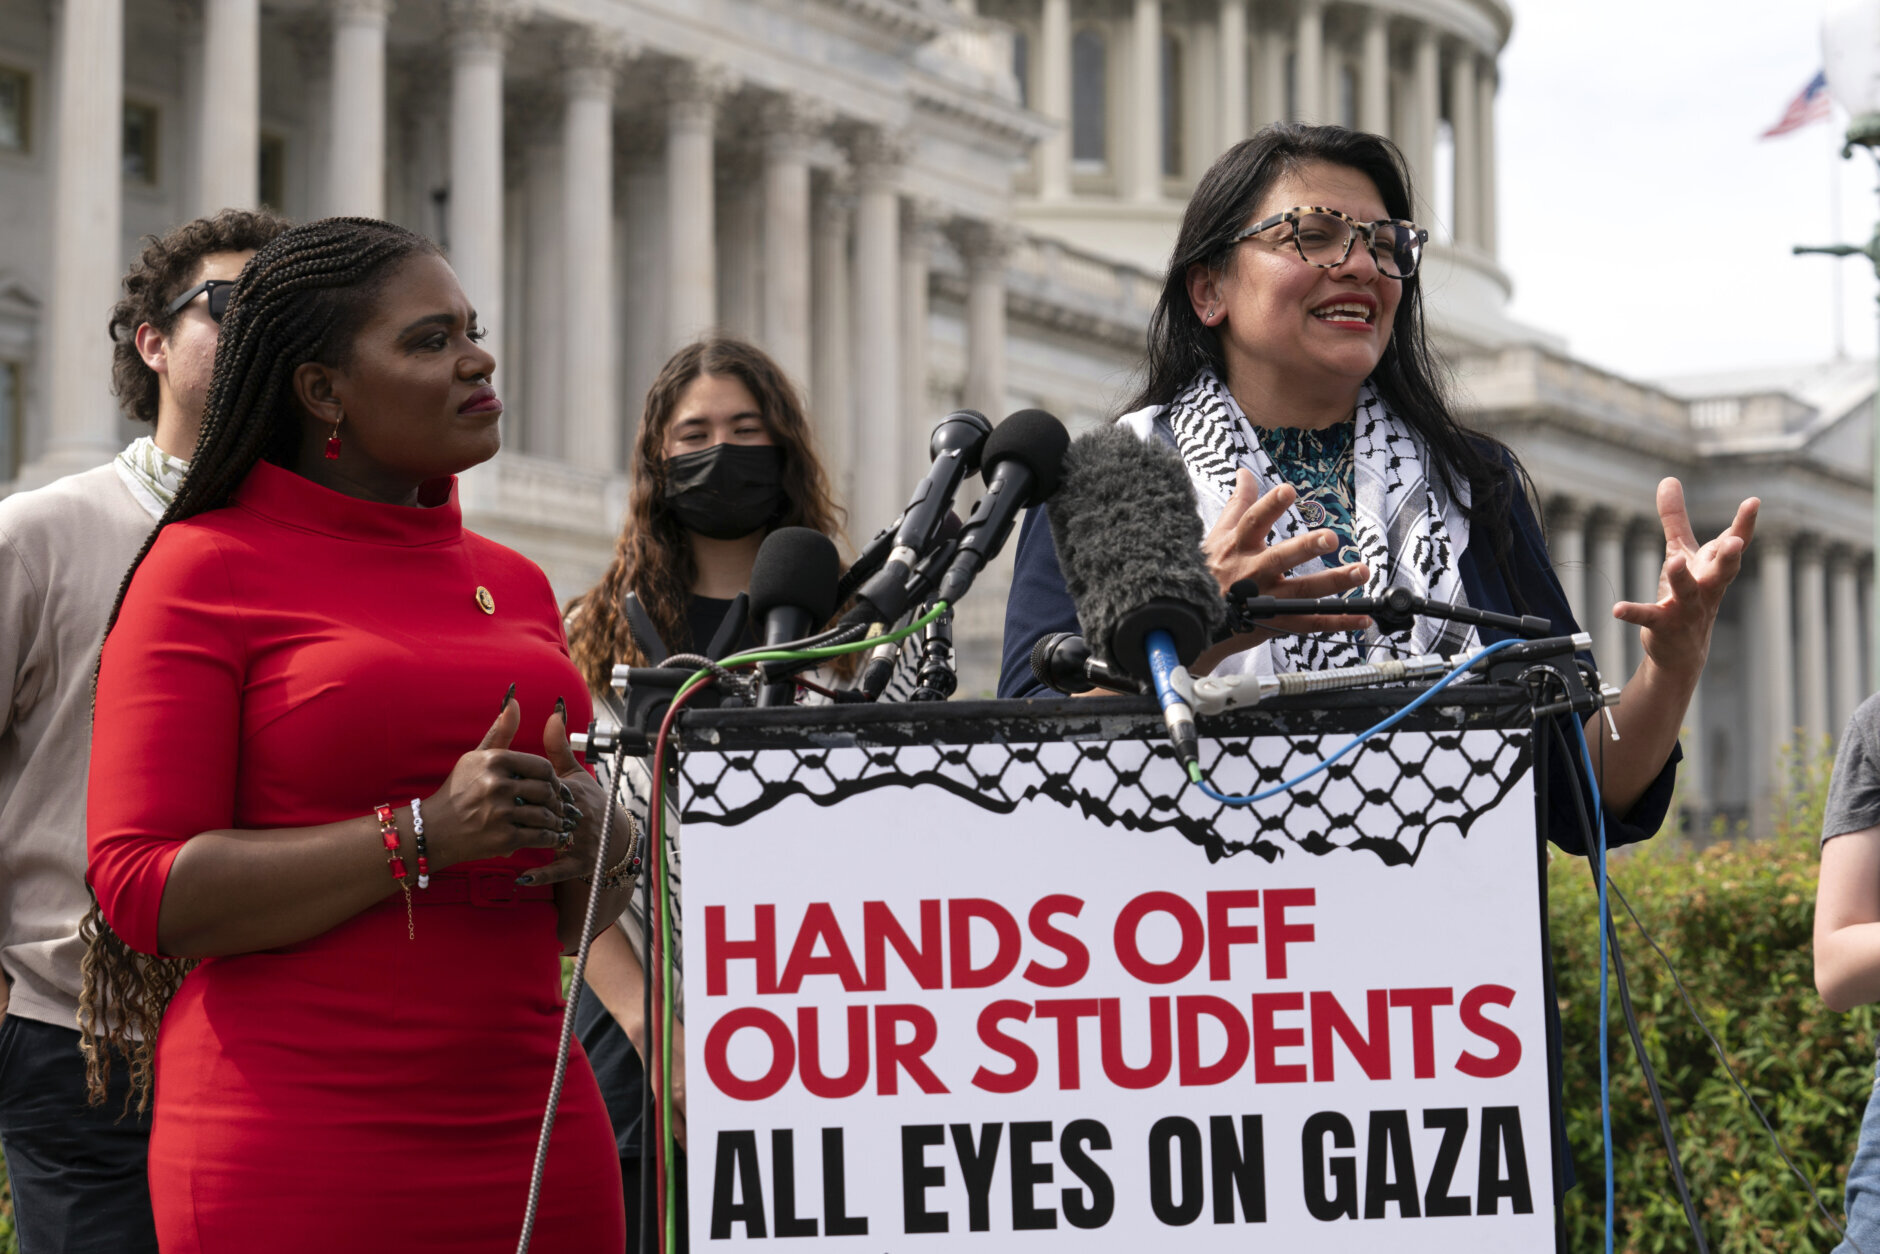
[(590, 434), (543, 421), (229, 169), (1811, 643), (1487, 235), (1425, 108), (1309, 87), (313, 50), (1054, 99), (693, 93), (1233, 84), (920, 235), (1844, 588), (1566, 538), (878, 396), (1145, 113), (985, 246), (739, 240), (1374, 89), (479, 31), (87, 222), (1269, 85), (1776, 640), (1646, 561), (1606, 578), (1466, 223), (794, 125), (355, 179), (830, 397)]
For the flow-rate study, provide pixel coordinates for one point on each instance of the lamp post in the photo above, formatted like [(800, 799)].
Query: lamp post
[(1850, 44)]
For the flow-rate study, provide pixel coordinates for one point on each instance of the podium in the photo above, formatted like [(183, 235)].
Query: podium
[(990, 975)]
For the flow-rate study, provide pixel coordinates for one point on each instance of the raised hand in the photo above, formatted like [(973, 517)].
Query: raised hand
[(1675, 629), (496, 802), (1236, 549)]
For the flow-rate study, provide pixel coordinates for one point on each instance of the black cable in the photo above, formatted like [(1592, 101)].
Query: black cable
[(1631, 1019), (1717, 1046)]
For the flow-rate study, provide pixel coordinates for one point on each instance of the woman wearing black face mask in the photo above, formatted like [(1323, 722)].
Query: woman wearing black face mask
[(723, 457)]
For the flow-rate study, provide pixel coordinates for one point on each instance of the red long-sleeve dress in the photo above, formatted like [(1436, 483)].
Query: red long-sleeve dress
[(294, 659)]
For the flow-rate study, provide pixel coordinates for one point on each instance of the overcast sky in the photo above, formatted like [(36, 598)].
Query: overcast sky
[(1641, 216)]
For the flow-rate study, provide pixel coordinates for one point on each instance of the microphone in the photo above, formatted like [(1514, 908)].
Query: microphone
[(1129, 542), (1062, 661), (1024, 462), (936, 680), (955, 447), (793, 591), (879, 669)]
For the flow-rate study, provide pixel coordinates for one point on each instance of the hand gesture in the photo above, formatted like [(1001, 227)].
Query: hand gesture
[(1675, 629), (1236, 549), (496, 802), (584, 802)]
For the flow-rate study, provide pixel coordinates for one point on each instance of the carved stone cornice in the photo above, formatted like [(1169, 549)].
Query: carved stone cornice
[(984, 244), (480, 25), (590, 57), (878, 155), (792, 124), (694, 90)]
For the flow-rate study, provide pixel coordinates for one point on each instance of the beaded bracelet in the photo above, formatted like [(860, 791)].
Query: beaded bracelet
[(388, 832), (417, 835), (629, 865)]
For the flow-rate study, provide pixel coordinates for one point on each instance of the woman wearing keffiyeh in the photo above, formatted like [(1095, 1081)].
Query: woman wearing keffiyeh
[(1288, 366)]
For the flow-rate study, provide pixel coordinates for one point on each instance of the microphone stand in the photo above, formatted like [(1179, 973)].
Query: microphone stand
[(1393, 612), (936, 680)]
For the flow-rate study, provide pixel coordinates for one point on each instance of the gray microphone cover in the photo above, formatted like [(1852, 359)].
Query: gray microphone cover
[(796, 567), (1129, 542)]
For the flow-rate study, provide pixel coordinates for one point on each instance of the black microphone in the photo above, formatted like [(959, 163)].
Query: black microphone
[(1129, 542), (1024, 461), (1062, 661), (955, 446), (793, 592), (936, 680)]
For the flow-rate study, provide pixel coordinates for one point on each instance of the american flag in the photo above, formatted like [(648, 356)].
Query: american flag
[(1810, 105)]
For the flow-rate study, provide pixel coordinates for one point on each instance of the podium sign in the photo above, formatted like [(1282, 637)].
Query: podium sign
[(999, 996)]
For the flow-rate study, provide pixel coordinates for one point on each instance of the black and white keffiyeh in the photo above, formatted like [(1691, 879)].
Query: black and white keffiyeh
[(1410, 531)]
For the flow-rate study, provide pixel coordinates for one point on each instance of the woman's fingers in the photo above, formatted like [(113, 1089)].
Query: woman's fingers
[(1237, 502), (1251, 531), (555, 871), (522, 765)]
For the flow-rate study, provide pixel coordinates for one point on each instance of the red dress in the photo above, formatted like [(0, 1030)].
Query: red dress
[(296, 659)]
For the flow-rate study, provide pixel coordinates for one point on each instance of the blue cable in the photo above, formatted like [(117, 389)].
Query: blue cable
[(1605, 1076), (1208, 789)]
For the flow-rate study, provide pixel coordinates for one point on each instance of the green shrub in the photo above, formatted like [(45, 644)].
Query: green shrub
[(9, 1239), (1737, 918)]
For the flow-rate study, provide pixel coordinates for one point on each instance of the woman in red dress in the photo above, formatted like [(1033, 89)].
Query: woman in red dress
[(305, 663)]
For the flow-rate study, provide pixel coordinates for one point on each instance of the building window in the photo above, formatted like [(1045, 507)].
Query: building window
[(1021, 67), (16, 110), (1090, 143), (273, 169), (12, 420), (1173, 118), (140, 143)]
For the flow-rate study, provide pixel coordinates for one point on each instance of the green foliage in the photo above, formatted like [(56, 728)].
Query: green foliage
[(1737, 919), (9, 1239)]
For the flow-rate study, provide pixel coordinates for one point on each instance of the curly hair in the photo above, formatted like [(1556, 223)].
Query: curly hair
[(652, 557), (163, 272), (301, 298)]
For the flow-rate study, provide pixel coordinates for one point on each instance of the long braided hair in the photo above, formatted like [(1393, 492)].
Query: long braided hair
[(300, 299), (653, 559)]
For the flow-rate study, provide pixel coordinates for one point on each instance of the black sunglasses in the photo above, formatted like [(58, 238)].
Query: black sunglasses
[(219, 291)]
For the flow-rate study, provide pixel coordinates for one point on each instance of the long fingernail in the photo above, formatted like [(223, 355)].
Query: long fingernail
[(577, 811), (561, 711), (507, 697), (527, 881), (567, 825), (567, 793)]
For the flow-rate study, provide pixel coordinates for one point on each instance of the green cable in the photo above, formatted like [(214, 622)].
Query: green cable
[(665, 893)]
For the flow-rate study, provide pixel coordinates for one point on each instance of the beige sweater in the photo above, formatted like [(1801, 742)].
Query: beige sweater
[(63, 551)]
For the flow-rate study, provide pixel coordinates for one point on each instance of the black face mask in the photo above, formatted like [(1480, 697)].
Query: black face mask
[(727, 490)]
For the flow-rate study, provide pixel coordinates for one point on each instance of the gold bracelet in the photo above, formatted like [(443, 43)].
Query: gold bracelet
[(624, 870)]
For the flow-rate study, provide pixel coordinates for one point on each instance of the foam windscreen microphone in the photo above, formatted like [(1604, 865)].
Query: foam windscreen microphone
[(1129, 542), (793, 592)]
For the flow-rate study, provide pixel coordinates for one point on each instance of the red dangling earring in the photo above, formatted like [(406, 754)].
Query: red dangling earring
[(332, 443)]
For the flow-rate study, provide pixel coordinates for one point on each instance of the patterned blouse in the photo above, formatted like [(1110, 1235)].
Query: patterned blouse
[(1318, 464)]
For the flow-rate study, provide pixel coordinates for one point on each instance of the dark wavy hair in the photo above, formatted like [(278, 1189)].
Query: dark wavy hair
[(1410, 377), (653, 559), (163, 272), (301, 298)]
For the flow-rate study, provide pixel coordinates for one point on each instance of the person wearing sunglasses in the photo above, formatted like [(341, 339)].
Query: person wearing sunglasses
[(1289, 368), (77, 1172)]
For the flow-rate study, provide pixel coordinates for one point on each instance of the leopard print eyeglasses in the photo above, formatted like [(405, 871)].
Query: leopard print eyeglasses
[(1323, 238)]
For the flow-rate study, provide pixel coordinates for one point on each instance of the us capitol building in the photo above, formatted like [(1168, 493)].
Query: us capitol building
[(912, 204)]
